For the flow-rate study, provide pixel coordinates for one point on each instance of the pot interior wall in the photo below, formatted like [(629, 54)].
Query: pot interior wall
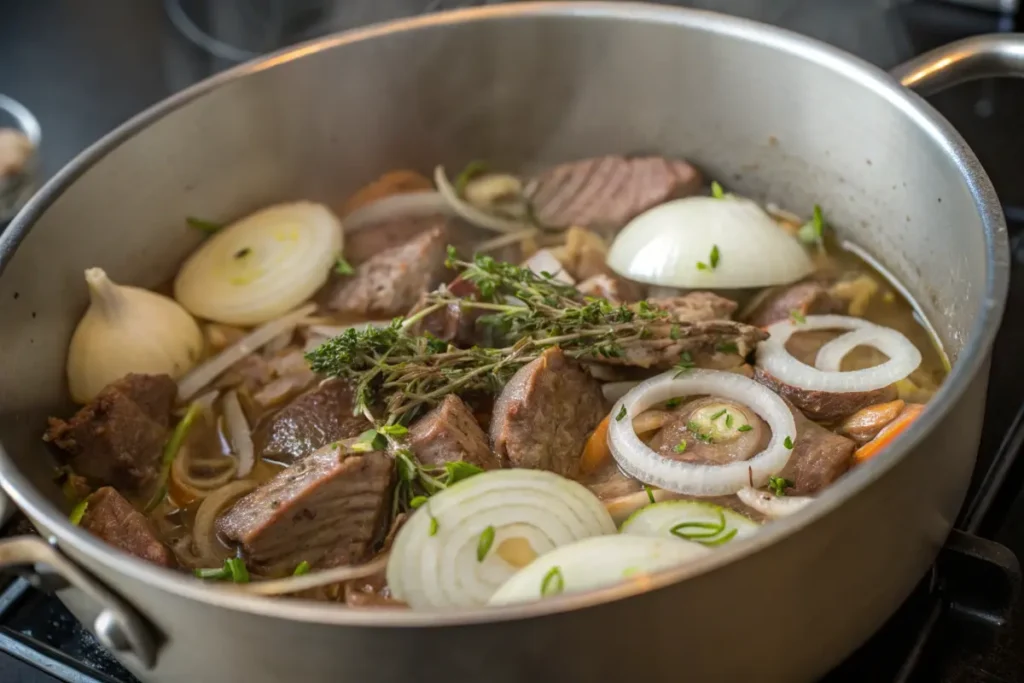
[(519, 93)]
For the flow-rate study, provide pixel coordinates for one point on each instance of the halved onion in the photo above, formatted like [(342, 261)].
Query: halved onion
[(261, 266), (690, 520), (472, 214), (664, 246), (467, 540), (773, 357), (595, 563), (770, 505), (640, 462)]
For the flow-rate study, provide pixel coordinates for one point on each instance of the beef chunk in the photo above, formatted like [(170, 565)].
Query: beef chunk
[(696, 307), (819, 457), (112, 518), (117, 438), (809, 298), (325, 509), (824, 406), (390, 282), (452, 323), (318, 417), (449, 432), (606, 192), (866, 423), (544, 414)]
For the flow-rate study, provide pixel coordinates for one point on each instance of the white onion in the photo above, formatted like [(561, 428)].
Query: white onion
[(470, 213), (315, 579), (613, 391), (770, 505), (545, 262), (595, 563), (240, 434), (204, 374), (404, 205), (664, 245), (531, 507), (203, 534), (773, 357), (659, 519), (261, 266), (640, 462)]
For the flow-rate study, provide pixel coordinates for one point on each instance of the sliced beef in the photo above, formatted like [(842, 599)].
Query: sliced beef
[(606, 192), (390, 282), (711, 442), (825, 406), (866, 423), (112, 518), (819, 457), (448, 433), (117, 438), (544, 414), (316, 418), (696, 307), (808, 298), (667, 342), (326, 509)]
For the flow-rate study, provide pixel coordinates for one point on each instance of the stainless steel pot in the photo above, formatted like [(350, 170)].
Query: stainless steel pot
[(771, 113)]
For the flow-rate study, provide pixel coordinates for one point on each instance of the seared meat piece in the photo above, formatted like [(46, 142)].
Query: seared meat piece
[(808, 298), (606, 192), (668, 341), (318, 417), (325, 509), (715, 441), (453, 323), (112, 518), (696, 307), (819, 457), (390, 282), (117, 438), (866, 423), (449, 432), (545, 413), (825, 406), (373, 590)]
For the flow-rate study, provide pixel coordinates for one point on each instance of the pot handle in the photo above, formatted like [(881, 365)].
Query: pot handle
[(996, 54), (118, 627)]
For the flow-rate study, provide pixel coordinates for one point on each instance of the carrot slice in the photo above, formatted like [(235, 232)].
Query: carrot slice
[(889, 432), (596, 451)]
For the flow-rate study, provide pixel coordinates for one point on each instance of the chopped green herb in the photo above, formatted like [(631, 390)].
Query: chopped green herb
[(673, 402), (621, 415), (778, 485), (405, 462), (433, 526), (813, 231), (417, 501), (483, 546), (472, 170), (553, 583), (702, 266), (673, 332), (171, 449), (394, 430), (343, 267), (714, 257), (788, 443), (457, 470), (727, 347), (744, 428), (205, 226), (706, 533), (370, 440), (236, 566), (242, 253), (728, 420), (685, 363), (217, 574), (719, 414), (78, 512), (797, 317), (302, 568), (695, 430), (650, 493), (716, 190), (680, 447)]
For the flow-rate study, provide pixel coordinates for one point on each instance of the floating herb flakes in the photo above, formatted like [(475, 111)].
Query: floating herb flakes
[(621, 414), (553, 582), (483, 546), (343, 267), (705, 533), (744, 428), (778, 485)]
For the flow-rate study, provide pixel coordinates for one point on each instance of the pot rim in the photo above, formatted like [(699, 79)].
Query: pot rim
[(970, 361)]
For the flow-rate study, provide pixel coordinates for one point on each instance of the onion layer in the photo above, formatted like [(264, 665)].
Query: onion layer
[(262, 266), (773, 357), (467, 540), (690, 520), (770, 505), (405, 205), (640, 462), (470, 213), (240, 434), (595, 563)]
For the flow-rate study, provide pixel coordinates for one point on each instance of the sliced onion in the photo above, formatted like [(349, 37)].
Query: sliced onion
[(201, 376), (693, 520), (773, 357), (770, 505), (529, 512), (240, 434), (470, 213), (664, 245), (613, 391), (205, 536), (316, 579), (404, 205), (261, 266), (545, 262), (595, 563), (640, 462)]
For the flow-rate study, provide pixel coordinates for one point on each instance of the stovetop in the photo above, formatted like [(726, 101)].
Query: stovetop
[(964, 623)]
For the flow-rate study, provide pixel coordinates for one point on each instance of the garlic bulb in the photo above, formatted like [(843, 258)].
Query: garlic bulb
[(125, 330)]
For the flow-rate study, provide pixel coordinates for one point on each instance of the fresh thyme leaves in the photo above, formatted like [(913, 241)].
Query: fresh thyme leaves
[(813, 231), (680, 447), (458, 470), (706, 533), (744, 428), (797, 317), (778, 485), (788, 443), (370, 440), (622, 414), (553, 582), (302, 568), (685, 363), (483, 546), (417, 501), (343, 267), (716, 190)]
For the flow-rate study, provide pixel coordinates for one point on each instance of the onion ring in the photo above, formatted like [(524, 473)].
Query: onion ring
[(640, 462), (770, 505), (773, 357)]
